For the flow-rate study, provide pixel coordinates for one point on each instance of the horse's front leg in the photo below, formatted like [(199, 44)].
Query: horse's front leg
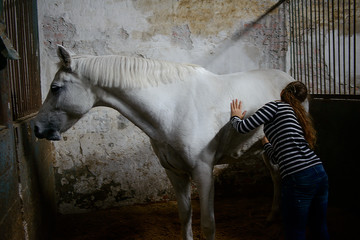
[(203, 177), (181, 183), (182, 188)]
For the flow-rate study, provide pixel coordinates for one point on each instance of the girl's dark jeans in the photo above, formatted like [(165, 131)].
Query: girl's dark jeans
[(304, 199)]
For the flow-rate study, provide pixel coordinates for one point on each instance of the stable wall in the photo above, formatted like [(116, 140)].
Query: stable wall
[(104, 160)]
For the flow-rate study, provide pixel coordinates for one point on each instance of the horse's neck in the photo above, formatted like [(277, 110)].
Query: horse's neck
[(155, 109), (131, 105)]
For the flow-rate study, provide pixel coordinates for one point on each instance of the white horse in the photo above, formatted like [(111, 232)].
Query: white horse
[(183, 108)]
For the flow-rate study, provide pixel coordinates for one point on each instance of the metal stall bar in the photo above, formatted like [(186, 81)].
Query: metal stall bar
[(303, 26), (333, 47), (349, 43), (344, 47), (315, 51), (20, 18), (323, 43), (320, 47), (298, 40), (329, 49), (309, 63), (323, 46), (312, 48), (292, 52), (338, 46), (354, 46), (296, 44)]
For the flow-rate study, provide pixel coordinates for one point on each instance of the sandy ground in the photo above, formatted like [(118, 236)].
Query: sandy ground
[(236, 218)]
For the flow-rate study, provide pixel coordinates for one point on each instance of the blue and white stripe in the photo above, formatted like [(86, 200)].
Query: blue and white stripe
[(288, 147)]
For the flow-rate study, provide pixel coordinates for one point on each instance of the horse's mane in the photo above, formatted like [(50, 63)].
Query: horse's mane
[(130, 72)]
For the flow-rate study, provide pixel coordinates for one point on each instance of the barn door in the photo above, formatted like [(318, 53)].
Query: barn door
[(20, 98)]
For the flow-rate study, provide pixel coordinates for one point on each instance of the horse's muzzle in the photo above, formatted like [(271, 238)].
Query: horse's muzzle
[(50, 134)]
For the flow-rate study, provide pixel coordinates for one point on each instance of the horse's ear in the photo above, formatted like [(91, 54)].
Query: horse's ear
[(64, 56)]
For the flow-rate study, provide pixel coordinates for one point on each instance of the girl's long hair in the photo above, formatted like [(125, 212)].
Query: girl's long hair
[(294, 94)]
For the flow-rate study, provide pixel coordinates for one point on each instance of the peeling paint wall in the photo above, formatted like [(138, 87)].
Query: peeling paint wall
[(104, 160)]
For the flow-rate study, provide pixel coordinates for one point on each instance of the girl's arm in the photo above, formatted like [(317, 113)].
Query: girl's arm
[(269, 150), (261, 116)]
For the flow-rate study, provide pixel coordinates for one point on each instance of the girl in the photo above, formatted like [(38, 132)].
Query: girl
[(289, 142)]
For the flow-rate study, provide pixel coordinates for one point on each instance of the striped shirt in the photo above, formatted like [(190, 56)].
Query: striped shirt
[(287, 146)]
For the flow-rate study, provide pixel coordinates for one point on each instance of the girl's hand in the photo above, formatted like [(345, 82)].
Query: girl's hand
[(236, 109), (264, 140)]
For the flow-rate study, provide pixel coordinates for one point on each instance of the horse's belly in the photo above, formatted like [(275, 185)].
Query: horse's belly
[(234, 147)]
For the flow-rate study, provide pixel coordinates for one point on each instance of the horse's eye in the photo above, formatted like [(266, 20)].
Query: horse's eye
[(55, 88)]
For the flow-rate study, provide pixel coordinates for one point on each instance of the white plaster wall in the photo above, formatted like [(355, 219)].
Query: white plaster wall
[(104, 160)]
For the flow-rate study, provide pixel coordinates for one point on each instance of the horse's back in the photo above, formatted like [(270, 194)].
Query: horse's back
[(254, 88), (267, 79)]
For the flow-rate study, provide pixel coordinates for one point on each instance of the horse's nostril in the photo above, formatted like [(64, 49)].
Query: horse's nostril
[(37, 131)]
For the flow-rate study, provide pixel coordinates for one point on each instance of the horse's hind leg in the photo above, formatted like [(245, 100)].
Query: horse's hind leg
[(182, 187), (275, 176)]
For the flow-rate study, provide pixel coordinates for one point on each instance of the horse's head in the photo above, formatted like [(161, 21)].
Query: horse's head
[(69, 98)]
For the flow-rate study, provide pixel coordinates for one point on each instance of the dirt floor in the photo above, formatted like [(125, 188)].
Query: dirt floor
[(236, 218)]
